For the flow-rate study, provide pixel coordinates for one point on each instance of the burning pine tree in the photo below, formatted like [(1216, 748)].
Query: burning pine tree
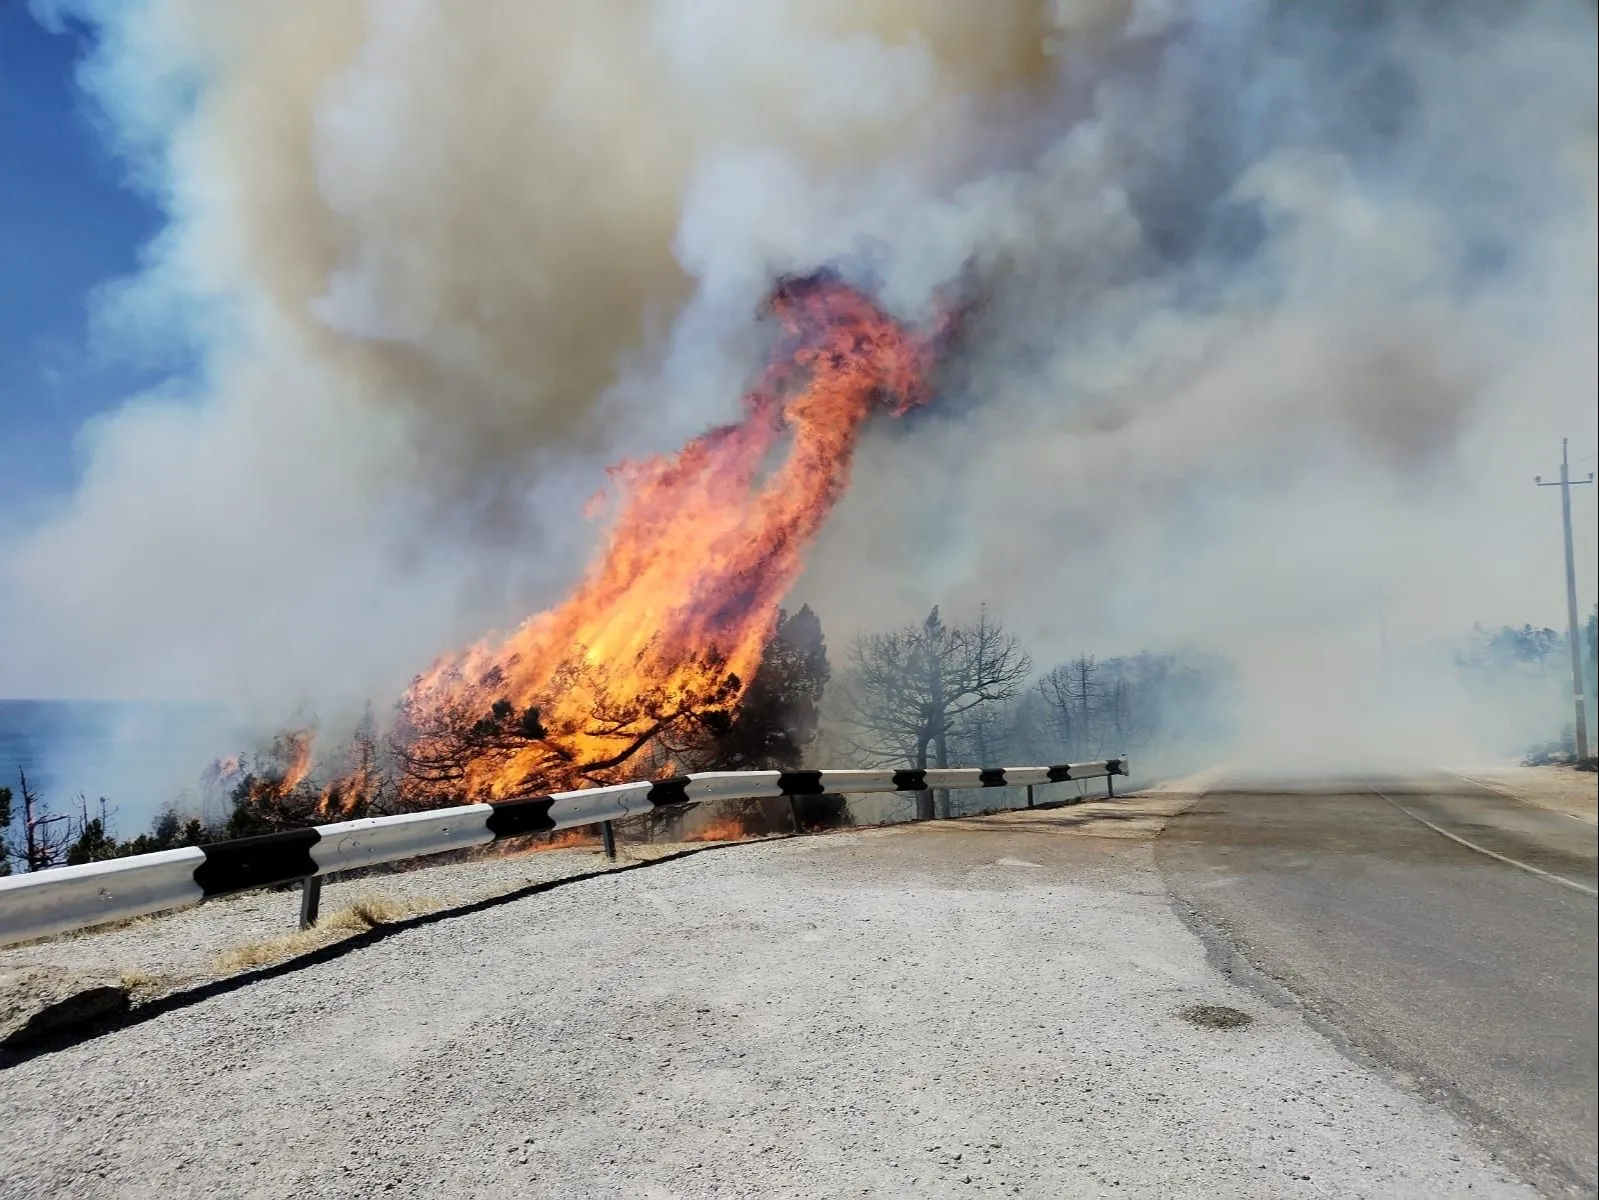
[(661, 642), (279, 792)]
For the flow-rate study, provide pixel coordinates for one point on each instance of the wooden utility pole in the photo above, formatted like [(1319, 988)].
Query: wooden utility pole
[(1573, 631)]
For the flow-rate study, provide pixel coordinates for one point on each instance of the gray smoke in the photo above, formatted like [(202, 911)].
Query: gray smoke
[(1285, 306), (1284, 326)]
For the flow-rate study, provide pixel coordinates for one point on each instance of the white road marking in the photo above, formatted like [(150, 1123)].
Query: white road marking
[(1454, 837)]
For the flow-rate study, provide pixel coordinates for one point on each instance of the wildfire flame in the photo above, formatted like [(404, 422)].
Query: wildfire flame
[(342, 797), (294, 751), (284, 775), (723, 829), (291, 757), (677, 607), (567, 839)]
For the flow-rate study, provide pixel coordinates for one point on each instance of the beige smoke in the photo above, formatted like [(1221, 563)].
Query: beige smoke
[(469, 210), (416, 244)]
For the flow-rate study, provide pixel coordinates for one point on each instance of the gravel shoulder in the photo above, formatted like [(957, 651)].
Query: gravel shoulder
[(984, 1006), (1559, 789), (188, 946)]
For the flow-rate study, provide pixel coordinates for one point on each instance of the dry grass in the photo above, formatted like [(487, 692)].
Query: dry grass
[(367, 912), (92, 930), (141, 985)]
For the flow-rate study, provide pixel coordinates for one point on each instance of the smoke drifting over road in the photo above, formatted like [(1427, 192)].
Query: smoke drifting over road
[(1286, 304)]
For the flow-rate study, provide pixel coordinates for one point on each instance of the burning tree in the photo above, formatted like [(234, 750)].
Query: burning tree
[(271, 795), (650, 660), (776, 718), (446, 751), (278, 791), (910, 692), (764, 726), (771, 726), (672, 653)]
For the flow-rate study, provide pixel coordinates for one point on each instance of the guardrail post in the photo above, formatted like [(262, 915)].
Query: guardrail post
[(310, 900), (608, 839), (1110, 786), (1029, 795), (924, 805), (794, 812)]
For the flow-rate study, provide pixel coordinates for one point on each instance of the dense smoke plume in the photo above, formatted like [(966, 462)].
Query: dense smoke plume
[(1286, 305)]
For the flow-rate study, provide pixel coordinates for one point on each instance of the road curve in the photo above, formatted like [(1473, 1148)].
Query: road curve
[(1443, 928)]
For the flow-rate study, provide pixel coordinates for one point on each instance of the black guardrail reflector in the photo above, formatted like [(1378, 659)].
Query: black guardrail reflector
[(527, 814), (800, 783), (910, 781), (1059, 774), (257, 861), (670, 791), (992, 777)]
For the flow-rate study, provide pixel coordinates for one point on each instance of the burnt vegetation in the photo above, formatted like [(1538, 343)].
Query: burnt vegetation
[(34, 836), (1520, 680), (930, 694)]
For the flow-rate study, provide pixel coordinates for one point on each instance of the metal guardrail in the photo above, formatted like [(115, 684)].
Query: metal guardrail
[(63, 899)]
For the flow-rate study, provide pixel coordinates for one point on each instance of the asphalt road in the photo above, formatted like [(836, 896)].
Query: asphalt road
[(1469, 970)]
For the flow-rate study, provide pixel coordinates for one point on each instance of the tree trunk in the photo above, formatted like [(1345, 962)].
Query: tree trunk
[(924, 798), (941, 745), (935, 683), (31, 841), (1085, 681)]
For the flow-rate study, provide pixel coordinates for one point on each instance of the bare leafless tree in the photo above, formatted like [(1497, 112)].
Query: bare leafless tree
[(1095, 708), (1075, 696), (999, 733), (907, 694), (45, 836)]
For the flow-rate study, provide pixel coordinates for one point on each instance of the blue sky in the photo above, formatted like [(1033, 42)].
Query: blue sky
[(67, 224)]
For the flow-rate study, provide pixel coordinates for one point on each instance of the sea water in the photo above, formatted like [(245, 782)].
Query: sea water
[(139, 756)]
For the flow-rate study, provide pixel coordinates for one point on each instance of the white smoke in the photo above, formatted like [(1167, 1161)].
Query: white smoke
[(1285, 310)]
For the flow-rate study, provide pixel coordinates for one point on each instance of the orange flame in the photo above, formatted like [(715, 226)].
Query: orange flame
[(221, 775), (293, 750), (676, 610), (723, 829), (342, 797), (566, 839), (562, 839), (349, 793)]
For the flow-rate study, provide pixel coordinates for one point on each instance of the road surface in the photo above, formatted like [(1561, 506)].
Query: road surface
[(1469, 968)]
